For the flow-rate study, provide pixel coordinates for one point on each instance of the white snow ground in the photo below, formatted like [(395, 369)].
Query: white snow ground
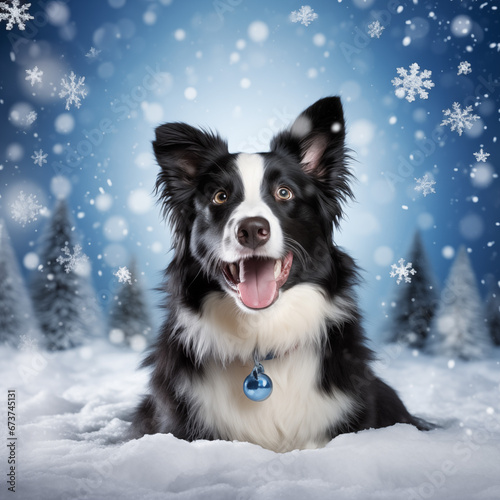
[(73, 406)]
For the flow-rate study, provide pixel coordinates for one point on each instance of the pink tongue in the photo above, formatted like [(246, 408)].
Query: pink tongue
[(258, 286)]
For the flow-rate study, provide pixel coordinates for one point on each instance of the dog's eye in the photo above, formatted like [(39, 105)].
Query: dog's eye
[(220, 197), (283, 194)]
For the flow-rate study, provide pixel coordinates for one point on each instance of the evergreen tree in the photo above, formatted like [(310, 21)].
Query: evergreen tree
[(16, 313), (493, 316), (129, 319), (416, 303), (459, 329), (63, 296)]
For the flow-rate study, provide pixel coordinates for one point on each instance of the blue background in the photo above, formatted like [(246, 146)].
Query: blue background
[(393, 141)]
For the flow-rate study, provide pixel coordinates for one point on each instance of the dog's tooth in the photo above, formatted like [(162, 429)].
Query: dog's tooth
[(277, 268), (234, 271)]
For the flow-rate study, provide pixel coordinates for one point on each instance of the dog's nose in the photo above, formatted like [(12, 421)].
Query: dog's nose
[(253, 232)]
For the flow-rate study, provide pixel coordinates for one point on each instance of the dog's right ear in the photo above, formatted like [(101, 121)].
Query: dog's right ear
[(182, 152)]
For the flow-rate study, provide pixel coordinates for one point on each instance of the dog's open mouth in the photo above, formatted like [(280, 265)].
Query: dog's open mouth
[(258, 280)]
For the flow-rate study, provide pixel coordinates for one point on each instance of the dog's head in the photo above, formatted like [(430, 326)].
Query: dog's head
[(256, 223)]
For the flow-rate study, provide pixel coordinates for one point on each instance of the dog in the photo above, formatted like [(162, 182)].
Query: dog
[(258, 294)]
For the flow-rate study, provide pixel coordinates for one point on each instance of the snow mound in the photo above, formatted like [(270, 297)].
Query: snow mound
[(73, 416)]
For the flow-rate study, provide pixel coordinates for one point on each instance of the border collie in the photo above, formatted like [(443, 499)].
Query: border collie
[(259, 295)]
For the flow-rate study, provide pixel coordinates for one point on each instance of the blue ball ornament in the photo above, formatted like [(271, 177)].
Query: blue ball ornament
[(257, 386)]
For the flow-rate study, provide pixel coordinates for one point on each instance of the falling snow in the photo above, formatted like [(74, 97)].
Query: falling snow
[(481, 156), (459, 119), (71, 261), (39, 158), (402, 271), (25, 209), (464, 68), (27, 343), (375, 29), (73, 90), (413, 83), (14, 14), (304, 15), (92, 53), (123, 275), (31, 117), (424, 184), (34, 75)]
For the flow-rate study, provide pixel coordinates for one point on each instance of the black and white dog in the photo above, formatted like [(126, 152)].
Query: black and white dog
[(257, 280)]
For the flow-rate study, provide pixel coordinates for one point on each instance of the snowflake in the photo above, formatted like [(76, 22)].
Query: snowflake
[(74, 91), (14, 14), (123, 275), (413, 83), (481, 156), (304, 15), (31, 117), (425, 184), (402, 271), (27, 343), (375, 29), (72, 261), (39, 158), (464, 68), (458, 118), (92, 53), (34, 75), (25, 209)]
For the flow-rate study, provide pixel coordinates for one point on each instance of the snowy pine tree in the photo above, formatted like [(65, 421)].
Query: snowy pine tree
[(493, 316), (459, 329), (16, 313), (416, 303), (129, 319), (63, 296)]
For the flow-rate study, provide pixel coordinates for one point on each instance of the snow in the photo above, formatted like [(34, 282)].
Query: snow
[(39, 158), (93, 53), (34, 75), (464, 68), (258, 31), (64, 123), (25, 208), (458, 119), (190, 93), (15, 14), (74, 407), (73, 90), (400, 270), (424, 184), (461, 26), (60, 187), (375, 29), (413, 83), (31, 117), (123, 275), (139, 201), (72, 261), (481, 156), (305, 15)]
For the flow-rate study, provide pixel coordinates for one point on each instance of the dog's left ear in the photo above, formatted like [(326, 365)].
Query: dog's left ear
[(317, 139)]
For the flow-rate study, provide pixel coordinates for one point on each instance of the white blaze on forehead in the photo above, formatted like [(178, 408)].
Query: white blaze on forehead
[(251, 170)]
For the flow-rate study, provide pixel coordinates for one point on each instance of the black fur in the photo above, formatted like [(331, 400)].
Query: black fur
[(194, 164)]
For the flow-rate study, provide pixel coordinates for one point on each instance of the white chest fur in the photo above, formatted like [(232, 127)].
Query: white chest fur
[(296, 416)]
